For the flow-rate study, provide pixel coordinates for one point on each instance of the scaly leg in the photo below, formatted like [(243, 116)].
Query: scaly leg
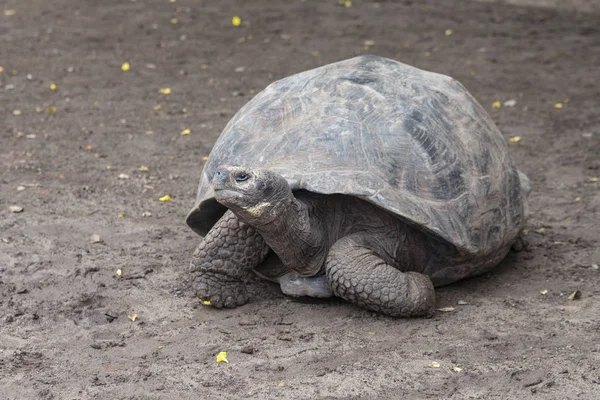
[(224, 260), (357, 274)]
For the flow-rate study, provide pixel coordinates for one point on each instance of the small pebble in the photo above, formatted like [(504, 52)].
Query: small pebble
[(95, 239), (123, 176), (248, 350), (146, 214), (20, 188), (510, 103), (462, 303), (31, 136), (15, 209)]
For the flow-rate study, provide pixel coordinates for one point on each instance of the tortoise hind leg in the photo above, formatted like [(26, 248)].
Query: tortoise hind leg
[(313, 286), (224, 260), (357, 274), (290, 282)]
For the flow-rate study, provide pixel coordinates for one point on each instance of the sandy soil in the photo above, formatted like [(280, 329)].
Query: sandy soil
[(64, 326)]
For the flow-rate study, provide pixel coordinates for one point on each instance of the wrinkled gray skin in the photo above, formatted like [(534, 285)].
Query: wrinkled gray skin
[(369, 179), (368, 256)]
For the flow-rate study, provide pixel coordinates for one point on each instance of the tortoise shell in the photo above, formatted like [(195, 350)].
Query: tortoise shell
[(412, 142)]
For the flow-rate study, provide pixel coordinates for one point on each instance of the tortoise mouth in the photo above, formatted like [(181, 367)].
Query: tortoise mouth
[(227, 196)]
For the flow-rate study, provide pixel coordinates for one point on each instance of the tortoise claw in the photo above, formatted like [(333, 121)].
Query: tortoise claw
[(218, 290)]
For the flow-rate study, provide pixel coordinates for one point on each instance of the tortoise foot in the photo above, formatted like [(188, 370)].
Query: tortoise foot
[(219, 290)]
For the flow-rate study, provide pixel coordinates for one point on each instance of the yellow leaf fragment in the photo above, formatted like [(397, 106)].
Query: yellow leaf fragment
[(455, 368), (371, 333), (161, 347), (109, 167), (544, 292), (165, 198), (236, 21), (434, 364), (205, 302), (51, 110), (1, 68), (185, 132), (593, 180), (281, 384), (132, 317), (222, 357), (8, 13), (53, 86), (541, 231), (125, 67), (514, 139), (575, 295), (558, 106), (496, 104), (119, 272), (143, 168), (205, 158), (121, 215), (165, 90), (157, 107), (577, 199), (174, 21), (346, 3), (204, 66), (16, 112), (448, 32)]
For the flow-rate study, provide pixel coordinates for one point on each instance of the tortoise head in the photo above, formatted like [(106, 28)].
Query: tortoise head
[(256, 196)]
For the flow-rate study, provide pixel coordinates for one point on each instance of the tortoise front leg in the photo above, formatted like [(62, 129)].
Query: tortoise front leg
[(357, 274), (224, 260)]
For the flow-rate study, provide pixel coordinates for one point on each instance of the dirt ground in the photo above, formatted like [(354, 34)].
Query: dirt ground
[(64, 326)]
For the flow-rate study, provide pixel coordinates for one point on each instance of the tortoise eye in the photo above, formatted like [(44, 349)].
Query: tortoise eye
[(241, 177)]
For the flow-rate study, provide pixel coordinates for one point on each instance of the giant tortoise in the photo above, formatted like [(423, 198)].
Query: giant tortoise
[(367, 179)]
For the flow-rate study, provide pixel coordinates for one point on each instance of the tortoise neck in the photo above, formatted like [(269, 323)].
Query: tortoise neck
[(296, 236)]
